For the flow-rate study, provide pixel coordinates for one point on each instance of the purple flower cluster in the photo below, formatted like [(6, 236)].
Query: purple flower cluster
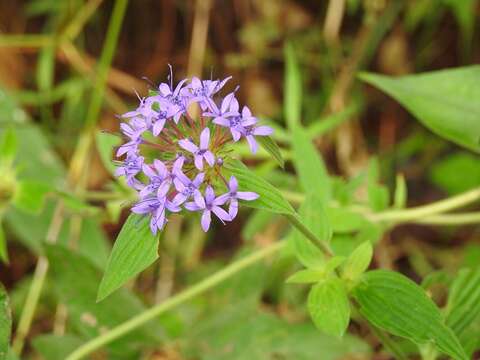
[(174, 161)]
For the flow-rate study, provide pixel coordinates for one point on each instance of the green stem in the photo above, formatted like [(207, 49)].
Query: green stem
[(26, 40), (170, 303), (451, 219), (427, 210), (295, 221)]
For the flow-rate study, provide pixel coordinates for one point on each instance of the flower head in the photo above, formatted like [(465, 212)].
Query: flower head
[(175, 162)]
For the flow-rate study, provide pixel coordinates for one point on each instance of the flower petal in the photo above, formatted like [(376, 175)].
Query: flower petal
[(206, 220), (221, 214), (204, 138), (208, 156), (247, 195), (188, 145)]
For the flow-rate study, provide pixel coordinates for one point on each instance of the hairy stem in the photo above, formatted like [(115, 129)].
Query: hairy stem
[(176, 300)]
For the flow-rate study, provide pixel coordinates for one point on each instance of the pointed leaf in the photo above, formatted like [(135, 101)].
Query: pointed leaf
[(135, 249), (358, 261), (443, 101)]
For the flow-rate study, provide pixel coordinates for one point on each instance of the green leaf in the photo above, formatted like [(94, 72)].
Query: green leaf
[(76, 279), (343, 220), (105, 144), (463, 305), (8, 145), (56, 347), (309, 165), (377, 193), (293, 88), (358, 261), (135, 249), (229, 334), (30, 196), (270, 198), (272, 148), (444, 173), (3, 244), (396, 304), (315, 218), (443, 101), (306, 276), (329, 307), (400, 195), (5, 322)]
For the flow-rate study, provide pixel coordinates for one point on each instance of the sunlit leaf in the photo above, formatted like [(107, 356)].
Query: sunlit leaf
[(358, 261), (134, 250), (329, 306), (441, 100)]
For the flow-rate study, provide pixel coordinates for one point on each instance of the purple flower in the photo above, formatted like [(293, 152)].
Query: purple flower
[(234, 195), (160, 179), (237, 123), (186, 188), (208, 204), (173, 100), (202, 90), (177, 146), (156, 207), (253, 131), (201, 152), (133, 131), (228, 108), (130, 167)]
